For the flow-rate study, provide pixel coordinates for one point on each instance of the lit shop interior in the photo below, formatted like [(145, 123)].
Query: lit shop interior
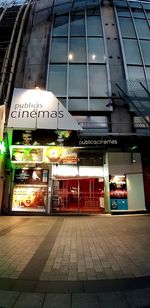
[(53, 179), (60, 178)]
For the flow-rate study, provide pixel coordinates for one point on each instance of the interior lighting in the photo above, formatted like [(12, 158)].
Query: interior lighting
[(93, 57), (65, 170), (70, 57), (119, 176)]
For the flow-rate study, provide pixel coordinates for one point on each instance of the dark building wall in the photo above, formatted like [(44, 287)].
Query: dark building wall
[(33, 57)]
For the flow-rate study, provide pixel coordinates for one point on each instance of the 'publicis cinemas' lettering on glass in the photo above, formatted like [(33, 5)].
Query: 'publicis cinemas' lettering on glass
[(102, 141)]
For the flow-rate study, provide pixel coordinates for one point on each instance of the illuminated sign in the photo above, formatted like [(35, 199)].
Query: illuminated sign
[(29, 198), (61, 155), (39, 154), (38, 109), (2, 147), (118, 192), (26, 154), (100, 141), (31, 176)]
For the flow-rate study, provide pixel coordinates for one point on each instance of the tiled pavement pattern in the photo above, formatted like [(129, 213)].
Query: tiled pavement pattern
[(75, 261)]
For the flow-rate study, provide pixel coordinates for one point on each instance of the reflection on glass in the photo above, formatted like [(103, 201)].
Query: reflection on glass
[(145, 45), (77, 80), (77, 27), (58, 72), (77, 104), (77, 48), (132, 51), (94, 27), (98, 80), (59, 50), (60, 26), (95, 50), (127, 28), (142, 28)]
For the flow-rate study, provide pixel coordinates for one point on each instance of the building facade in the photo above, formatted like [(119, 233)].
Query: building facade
[(77, 95)]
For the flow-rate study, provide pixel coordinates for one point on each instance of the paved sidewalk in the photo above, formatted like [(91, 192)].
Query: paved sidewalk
[(75, 261)]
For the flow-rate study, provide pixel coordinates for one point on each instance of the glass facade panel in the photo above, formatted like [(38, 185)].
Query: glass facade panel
[(132, 53), (77, 50), (136, 73), (99, 104), (57, 82), (138, 14), (142, 28), (77, 27), (59, 50), (73, 56), (77, 104), (60, 27), (96, 50), (145, 45), (98, 121), (98, 80), (147, 9), (77, 80), (122, 8), (127, 28), (148, 74), (94, 27)]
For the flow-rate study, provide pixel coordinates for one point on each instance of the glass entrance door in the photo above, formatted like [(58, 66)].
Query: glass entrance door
[(80, 195)]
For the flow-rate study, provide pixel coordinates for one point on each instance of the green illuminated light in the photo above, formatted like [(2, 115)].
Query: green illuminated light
[(2, 147)]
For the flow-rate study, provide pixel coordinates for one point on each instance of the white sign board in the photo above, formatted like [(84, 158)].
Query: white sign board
[(38, 109)]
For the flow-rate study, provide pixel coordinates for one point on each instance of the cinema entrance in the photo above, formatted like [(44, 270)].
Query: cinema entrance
[(79, 192)]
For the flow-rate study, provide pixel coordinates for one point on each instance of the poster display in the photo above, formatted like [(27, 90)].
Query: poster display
[(29, 198), (26, 154), (31, 176), (118, 192), (52, 137), (40, 154), (61, 155)]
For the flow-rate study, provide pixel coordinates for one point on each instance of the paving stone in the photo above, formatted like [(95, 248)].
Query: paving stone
[(24, 285), (32, 300), (57, 300), (138, 298), (93, 244), (60, 287), (85, 300), (8, 298), (113, 300)]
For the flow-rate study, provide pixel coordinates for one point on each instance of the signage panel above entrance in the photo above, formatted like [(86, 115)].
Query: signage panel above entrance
[(38, 109)]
